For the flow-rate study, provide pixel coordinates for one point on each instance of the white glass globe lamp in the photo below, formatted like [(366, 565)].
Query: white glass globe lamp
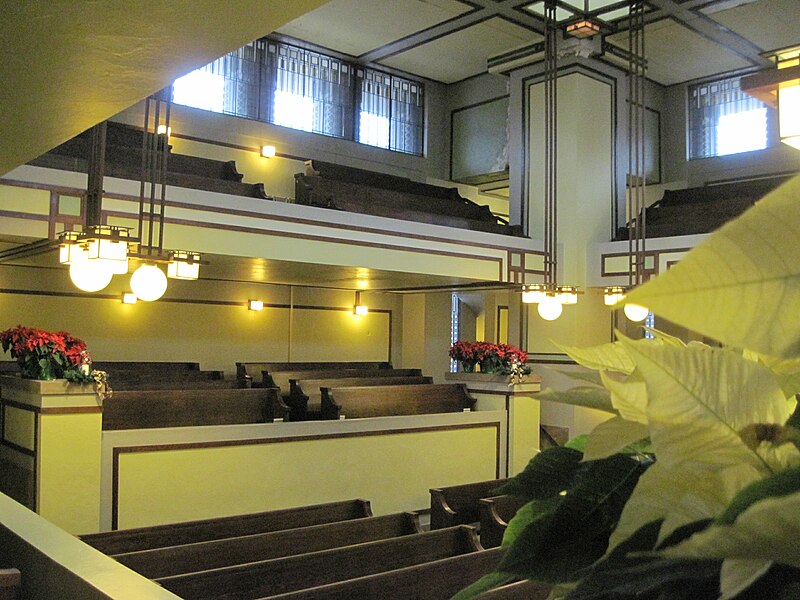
[(149, 283), (550, 308), (636, 313), (90, 275)]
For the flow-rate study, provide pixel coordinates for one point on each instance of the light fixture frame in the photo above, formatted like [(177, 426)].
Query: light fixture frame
[(183, 264), (359, 309), (255, 305), (268, 151)]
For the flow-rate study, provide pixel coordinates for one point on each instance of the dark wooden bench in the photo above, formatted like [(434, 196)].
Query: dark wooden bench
[(435, 580), (283, 379), (173, 384), (190, 532), (458, 504), (495, 513), (143, 366), (392, 400), (305, 395), (189, 558), (519, 590), (250, 374), (10, 584), (146, 409), (279, 575)]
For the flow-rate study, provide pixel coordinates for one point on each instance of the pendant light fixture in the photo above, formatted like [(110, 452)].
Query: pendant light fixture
[(550, 296), (637, 223)]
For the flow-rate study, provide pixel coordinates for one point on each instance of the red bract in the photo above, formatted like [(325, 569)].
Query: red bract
[(45, 355)]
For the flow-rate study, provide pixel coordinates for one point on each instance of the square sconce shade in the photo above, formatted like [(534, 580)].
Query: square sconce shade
[(129, 298), (255, 305), (267, 151)]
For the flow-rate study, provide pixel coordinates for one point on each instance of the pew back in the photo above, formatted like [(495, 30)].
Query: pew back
[(392, 400), (10, 584), (189, 532), (201, 556), (145, 409), (250, 372), (457, 504), (282, 379), (279, 575), (495, 513), (305, 395), (429, 581)]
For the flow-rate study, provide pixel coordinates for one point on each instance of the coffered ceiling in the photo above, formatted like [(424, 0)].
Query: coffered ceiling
[(450, 40)]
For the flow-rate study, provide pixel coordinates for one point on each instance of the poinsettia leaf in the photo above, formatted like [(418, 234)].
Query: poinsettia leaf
[(613, 436), (526, 515), (778, 484), (592, 377), (699, 398), (484, 584), (546, 474), (767, 530), (628, 395), (737, 575), (794, 420), (588, 397), (605, 357), (557, 546), (665, 337), (740, 285)]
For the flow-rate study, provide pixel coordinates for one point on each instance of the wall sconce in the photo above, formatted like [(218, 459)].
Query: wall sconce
[(780, 88), (129, 298), (358, 308), (183, 265), (162, 129), (267, 151), (255, 305)]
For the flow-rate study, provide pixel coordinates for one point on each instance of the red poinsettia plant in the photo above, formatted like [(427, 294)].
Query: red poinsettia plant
[(492, 358), (45, 355)]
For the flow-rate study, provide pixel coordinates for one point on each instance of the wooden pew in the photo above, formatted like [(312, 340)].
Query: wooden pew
[(519, 590), (249, 373), (146, 409), (282, 379), (174, 384), (305, 395), (458, 504), (143, 366), (201, 556), (434, 580), (279, 575), (10, 584), (495, 513), (190, 532), (392, 400)]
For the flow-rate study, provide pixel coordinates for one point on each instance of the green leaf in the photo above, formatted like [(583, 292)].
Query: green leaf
[(557, 546), (613, 436), (588, 397), (742, 284), (578, 442), (526, 515), (606, 357), (779, 484), (546, 474), (484, 584)]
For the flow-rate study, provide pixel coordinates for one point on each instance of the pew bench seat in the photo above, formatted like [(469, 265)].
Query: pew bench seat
[(495, 513), (394, 400), (459, 504)]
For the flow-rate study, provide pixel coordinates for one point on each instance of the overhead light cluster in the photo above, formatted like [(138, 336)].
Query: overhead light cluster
[(615, 294), (550, 298)]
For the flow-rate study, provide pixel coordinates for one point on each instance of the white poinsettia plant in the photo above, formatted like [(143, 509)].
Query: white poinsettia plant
[(692, 488)]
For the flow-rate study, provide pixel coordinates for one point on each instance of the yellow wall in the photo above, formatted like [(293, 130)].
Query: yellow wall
[(393, 470), (215, 335)]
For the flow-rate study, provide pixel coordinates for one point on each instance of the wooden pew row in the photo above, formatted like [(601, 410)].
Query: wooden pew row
[(214, 554), (434, 580), (519, 590), (393, 400), (190, 532), (249, 373), (282, 379), (495, 513), (10, 584), (459, 504), (280, 575), (147, 409), (305, 395), (142, 366), (173, 384)]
